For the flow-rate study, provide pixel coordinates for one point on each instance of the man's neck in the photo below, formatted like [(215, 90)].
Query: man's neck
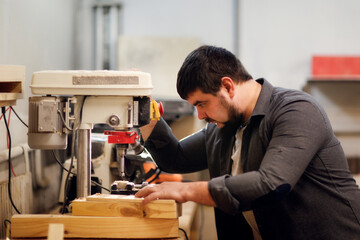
[(249, 94)]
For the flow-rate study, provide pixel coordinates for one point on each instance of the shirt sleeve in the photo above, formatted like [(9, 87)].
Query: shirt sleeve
[(173, 156)]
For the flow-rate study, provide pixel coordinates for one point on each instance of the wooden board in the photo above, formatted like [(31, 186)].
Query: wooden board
[(12, 78), (124, 206), (56, 231), (36, 225)]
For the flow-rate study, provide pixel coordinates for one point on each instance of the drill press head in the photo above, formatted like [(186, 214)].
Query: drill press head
[(117, 98)]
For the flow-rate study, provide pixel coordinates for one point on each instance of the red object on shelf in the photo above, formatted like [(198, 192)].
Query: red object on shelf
[(119, 137), (339, 67)]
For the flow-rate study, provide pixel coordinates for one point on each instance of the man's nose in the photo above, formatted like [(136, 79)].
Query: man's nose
[(201, 114)]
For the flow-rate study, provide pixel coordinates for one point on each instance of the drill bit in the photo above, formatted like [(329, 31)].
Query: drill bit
[(120, 158)]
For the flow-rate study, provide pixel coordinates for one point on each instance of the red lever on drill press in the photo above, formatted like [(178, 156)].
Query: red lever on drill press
[(119, 137)]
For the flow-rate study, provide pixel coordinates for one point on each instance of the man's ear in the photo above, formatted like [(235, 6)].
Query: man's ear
[(228, 85)]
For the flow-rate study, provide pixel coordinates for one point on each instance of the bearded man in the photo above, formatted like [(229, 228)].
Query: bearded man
[(277, 170)]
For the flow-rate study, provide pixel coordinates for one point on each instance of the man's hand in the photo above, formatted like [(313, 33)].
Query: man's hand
[(181, 192)]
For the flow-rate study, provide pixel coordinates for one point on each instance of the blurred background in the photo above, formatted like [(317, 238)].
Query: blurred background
[(277, 40)]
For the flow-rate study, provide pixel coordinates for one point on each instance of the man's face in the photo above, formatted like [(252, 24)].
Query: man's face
[(215, 109)]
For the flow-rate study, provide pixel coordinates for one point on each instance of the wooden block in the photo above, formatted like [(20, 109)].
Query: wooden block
[(11, 84), (112, 205), (56, 231), (36, 225)]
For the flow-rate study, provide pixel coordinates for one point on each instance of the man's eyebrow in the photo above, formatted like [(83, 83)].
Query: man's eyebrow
[(197, 103)]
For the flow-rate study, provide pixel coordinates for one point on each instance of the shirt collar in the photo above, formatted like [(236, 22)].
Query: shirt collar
[(263, 101)]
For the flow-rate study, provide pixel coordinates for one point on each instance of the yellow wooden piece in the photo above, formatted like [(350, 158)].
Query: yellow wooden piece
[(56, 231), (154, 111), (124, 206), (36, 225)]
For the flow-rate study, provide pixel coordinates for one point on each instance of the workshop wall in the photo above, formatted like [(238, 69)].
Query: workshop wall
[(156, 30), (38, 35), (278, 38)]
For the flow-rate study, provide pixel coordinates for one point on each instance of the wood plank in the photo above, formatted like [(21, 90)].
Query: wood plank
[(7, 99), (36, 225), (124, 206), (8, 96), (56, 231), (7, 103)]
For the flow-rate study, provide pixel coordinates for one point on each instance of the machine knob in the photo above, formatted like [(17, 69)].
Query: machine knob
[(114, 120)]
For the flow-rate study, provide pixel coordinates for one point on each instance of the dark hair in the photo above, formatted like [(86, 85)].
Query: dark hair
[(204, 67)]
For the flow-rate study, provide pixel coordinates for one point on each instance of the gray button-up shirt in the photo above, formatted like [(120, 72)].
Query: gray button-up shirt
[(296, 178)]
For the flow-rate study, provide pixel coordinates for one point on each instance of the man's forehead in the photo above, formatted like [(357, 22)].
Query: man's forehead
[(198, 96)]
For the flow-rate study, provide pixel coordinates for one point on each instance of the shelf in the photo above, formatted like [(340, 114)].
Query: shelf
[(330, 83), (11, 84), (335, 80)]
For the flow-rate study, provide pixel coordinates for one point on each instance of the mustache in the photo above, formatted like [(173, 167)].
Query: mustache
[(235, 120), (209, 120)]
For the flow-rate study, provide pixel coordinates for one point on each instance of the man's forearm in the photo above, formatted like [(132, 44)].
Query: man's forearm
[(147, 129), (199, 193)]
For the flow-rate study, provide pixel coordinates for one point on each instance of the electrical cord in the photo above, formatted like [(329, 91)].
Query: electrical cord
[(66, 183), (7, 224), (157, 169), (9, 179), (19, 117), (4, 115), (74, 131), (63, 120), (186, 236), (56, 158), (65, 169), (21, 122), (7, 137), (68, 173)]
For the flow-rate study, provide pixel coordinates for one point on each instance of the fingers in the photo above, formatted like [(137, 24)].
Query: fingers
[(149, 194), (145, 191), (165, 190)]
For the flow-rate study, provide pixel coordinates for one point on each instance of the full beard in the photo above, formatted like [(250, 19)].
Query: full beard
[(235, 119)]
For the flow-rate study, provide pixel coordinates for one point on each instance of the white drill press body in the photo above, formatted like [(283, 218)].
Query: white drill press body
[(117, 98)]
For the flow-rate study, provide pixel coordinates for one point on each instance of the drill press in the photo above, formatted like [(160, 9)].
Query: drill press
[(117, 98)]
